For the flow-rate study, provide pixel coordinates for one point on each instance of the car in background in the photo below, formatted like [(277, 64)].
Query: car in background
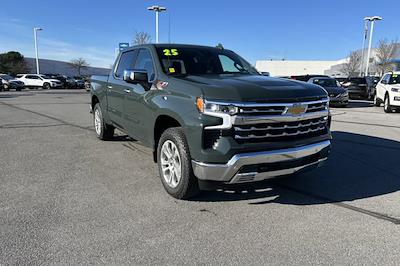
[(337, 94), (388, 92), (360, 87), (9, 82), (307, 77), (80, 83), (36, 81), (340, 79)]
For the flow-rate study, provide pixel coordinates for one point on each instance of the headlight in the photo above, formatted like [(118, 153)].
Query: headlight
[(395, 90), (214, 107)]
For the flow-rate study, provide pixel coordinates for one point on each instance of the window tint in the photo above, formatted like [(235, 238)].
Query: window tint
[(126, 61), (31, 77), (386, 77), (228, 65), (144, 61)]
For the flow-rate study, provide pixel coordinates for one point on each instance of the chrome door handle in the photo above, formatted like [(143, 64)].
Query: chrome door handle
[(127, 90), (109, 86)]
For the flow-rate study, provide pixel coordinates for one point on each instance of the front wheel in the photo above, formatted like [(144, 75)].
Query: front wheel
[(103, 130), (387, 107), (46, 86), (175, 164)]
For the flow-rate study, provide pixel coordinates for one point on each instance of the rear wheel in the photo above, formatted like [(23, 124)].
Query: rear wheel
[(103, 130), (175, 164), (387, 107)]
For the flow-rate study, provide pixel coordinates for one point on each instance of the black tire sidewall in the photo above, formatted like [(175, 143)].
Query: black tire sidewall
[(46, 86), (389, 108)]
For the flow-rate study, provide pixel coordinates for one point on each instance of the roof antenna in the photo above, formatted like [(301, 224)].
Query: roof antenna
[(220, 46)]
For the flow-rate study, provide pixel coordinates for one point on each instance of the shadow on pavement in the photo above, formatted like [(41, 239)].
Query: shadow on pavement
[(359, 167), (359, 104)]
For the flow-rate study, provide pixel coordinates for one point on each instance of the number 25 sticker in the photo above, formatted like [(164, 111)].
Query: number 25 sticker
[(170, 52)]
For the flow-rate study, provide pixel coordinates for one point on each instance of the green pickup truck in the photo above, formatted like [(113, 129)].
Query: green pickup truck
[(210, 117)]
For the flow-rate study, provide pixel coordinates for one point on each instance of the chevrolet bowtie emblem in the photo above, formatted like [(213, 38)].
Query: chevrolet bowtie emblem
[(296, 109)]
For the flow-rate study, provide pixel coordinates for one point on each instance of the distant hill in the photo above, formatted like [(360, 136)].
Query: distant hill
[(59, 67)]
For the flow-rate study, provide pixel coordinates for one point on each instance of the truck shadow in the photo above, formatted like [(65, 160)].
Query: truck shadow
[(359, 167)]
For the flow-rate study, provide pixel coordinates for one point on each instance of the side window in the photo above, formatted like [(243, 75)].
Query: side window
[(386, 78), (126, 61), (30, 77), (144, 61), (228, 65)]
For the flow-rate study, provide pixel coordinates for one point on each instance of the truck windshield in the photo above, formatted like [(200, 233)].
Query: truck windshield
[(202, 61)]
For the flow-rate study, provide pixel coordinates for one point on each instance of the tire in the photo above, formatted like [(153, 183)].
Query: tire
[(103, 131), (6, 88), (377, 101), (46, 86), (386, 105), (173, 141)]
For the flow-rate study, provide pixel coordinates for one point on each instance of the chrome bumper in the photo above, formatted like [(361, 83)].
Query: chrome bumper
[(229, 172)]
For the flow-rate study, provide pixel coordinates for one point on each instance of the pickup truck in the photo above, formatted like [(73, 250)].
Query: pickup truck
[(210, 117)]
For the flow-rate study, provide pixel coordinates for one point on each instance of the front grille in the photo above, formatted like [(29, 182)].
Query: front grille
[(260, 110), (281, 131)]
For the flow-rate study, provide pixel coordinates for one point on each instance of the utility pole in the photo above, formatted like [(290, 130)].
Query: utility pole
[(372, 20), (35, 30), (157, 9), (363, 46)]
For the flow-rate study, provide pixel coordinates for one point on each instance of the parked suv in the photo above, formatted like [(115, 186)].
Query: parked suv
[(10, 83), (34, 80), (210, 117), (388, 92), (360, 87)]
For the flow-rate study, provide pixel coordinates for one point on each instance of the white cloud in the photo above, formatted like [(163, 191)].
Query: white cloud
[(17, 35)]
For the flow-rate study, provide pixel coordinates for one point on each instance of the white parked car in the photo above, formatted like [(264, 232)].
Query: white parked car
[(34, 80), (388, 92)]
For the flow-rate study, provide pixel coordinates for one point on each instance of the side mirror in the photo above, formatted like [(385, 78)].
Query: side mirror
[(135, 76), (384, 81)]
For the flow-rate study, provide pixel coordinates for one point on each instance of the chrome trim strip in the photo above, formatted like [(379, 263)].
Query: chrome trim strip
[(254, 104), (249, 120), (255, 176), (225, 172), (284, 134)]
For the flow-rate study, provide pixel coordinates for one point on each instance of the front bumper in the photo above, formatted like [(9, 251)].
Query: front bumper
[(257, 166)]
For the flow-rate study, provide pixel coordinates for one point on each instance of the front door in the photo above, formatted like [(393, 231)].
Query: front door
[(137, 111)]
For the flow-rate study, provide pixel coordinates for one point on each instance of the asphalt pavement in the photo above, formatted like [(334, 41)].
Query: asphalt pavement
[(68, 198)]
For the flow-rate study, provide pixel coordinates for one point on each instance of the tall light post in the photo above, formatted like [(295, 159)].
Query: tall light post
[(157, 9), (372, 20), (35, 30), (363, 46)]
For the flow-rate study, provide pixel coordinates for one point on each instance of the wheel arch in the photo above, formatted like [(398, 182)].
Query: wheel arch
[(162, 123)]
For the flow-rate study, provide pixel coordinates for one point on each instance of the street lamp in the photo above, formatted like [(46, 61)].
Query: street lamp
[(35, 30), (157, 9), (363, 46), (372, 20)]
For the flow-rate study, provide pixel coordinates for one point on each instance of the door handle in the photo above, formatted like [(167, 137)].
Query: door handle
[(109, 86), (127, 90)]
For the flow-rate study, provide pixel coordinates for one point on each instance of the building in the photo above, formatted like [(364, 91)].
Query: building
[(330, 67)]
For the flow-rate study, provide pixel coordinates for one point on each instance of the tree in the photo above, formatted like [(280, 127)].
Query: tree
[(385, 52), (352, 66), (12, 63), (79, 64), (141, 37)]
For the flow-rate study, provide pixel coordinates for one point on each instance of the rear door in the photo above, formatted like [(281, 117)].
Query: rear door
[(117, 88), (137, 112), (32, 80)]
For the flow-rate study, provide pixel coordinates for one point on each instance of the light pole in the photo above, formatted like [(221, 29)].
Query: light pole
[(35, 30), (157, 9), (372, 20), (363, 46)]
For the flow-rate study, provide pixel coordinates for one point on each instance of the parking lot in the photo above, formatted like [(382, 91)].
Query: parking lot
[(68, 198)]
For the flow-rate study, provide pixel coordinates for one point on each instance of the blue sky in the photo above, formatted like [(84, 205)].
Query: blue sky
[(297, 30)]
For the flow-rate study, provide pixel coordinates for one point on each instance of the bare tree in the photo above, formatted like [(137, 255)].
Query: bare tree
[(385, 52), (141, 37), (352, 65), (79, 64)]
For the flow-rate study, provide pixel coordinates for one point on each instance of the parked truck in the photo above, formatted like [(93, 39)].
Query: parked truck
[(210, 117)]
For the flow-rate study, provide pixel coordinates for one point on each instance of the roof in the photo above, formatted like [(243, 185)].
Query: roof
[(177, 45)]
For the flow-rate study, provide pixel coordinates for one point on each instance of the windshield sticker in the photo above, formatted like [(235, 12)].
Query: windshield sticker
[(170, 52), (394, 75), (171, 70)]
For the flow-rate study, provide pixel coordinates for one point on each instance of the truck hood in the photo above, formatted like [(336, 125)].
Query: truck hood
[(254, 88)]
